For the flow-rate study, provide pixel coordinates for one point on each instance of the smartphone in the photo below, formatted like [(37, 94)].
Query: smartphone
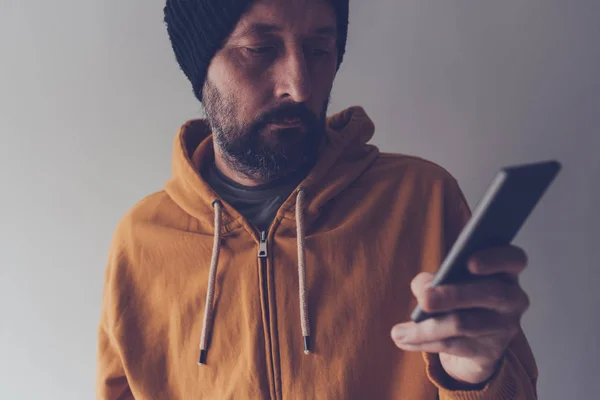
[(507, 203)]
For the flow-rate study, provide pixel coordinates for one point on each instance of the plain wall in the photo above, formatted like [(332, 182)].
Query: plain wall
[(91, 99)]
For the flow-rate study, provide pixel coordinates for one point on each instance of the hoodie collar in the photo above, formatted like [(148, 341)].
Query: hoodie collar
[(341, 162)]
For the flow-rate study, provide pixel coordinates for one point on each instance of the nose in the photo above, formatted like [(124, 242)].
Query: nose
[(293, 78)]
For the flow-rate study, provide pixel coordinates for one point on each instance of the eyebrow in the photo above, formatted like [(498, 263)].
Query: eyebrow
[(265, 29)]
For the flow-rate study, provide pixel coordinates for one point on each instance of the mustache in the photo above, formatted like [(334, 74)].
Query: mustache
[(287, 111)]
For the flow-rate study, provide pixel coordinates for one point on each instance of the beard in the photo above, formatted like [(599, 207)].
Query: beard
[(258, 149)]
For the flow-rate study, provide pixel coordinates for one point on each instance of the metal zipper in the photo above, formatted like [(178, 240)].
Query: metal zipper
[(262, 256), (262, 249)]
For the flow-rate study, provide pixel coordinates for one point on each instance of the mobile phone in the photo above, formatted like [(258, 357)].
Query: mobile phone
[(506, 205)]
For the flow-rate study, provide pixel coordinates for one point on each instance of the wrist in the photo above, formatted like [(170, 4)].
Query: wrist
[(483, 378)]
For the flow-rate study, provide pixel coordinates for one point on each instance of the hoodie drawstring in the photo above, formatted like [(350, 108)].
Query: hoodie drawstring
[(212, 275), (304, 317), (304, 321)]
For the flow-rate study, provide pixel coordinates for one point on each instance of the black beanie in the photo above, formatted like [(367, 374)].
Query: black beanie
[(198, 28)]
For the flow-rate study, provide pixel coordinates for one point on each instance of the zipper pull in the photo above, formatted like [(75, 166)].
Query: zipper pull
[(262, 249)]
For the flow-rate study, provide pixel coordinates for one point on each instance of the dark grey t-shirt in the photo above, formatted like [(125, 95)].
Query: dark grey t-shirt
[(258, 204)]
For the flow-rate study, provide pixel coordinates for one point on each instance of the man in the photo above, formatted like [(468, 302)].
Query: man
[(284, 257)]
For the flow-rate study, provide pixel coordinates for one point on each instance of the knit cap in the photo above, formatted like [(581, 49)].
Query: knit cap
[(198, 29)]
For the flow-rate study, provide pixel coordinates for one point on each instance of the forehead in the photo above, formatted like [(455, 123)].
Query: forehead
[(287, 16)]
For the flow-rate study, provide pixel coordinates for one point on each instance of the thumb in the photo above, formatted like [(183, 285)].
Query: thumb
[(420, 283)]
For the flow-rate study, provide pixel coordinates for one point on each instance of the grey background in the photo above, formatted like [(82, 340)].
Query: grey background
[(91, 98)]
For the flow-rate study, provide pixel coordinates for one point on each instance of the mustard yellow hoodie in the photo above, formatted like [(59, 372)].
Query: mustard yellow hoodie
[(186, 271)]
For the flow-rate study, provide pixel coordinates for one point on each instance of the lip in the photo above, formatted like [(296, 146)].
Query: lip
[(295, 122)]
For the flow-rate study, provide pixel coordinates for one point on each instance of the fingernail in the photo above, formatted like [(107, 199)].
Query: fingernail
[(473, 264), (399, 333)]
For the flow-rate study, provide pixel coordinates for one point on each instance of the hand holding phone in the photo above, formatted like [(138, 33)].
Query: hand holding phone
[(503, 210)]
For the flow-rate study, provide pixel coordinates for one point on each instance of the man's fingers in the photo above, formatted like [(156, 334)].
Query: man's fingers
[(420, 283), (471, 323), (489, 348), (510, 260), (490, 293), (457, 346)]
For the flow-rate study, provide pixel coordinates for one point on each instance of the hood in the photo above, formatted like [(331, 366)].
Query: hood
[(341, 162)]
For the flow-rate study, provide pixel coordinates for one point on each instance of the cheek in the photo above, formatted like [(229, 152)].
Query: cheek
[(322, 83), (247, 78), (246, 89)]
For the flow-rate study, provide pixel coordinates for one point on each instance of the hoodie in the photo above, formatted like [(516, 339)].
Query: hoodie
[(198, 304)]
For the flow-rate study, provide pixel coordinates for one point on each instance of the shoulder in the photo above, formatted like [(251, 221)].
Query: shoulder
[(424, 181), (401, 167), (146, 219), (430, 185), (144, 211)]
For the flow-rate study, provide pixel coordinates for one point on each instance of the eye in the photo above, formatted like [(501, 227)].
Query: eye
[(260, 51), (319, 52)]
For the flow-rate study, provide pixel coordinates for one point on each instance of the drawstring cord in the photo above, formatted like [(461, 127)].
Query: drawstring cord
[(208, 311), (304, 321), (218, 207)]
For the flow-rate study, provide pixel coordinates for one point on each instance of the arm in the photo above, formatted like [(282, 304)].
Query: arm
[(111, 379), (515, 379), (477, 350), (516, 376)]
